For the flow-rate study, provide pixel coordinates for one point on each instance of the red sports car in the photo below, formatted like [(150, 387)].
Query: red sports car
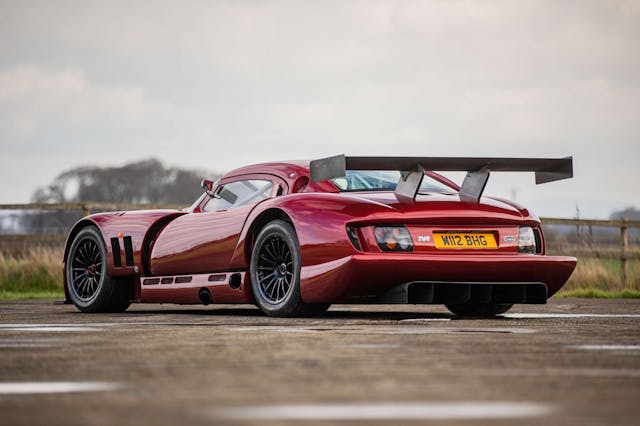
[(295, 237)]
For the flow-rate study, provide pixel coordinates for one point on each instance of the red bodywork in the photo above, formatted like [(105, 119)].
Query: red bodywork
[(175, 254)]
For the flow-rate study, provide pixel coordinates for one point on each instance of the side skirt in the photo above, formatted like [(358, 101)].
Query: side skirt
[(220, 287)]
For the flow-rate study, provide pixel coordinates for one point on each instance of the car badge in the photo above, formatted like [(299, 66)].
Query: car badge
[(509, 239)]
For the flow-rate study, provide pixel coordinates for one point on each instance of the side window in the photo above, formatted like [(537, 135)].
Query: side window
[(240, 193)]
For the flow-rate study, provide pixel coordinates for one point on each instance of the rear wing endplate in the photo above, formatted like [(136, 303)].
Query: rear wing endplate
[(412, 170)]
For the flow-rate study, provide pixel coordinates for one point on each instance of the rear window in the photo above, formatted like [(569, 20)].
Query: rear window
[(384, 180), (239, 193)]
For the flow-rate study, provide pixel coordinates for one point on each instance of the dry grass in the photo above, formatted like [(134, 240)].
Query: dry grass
[(604, 274), (36, 273)]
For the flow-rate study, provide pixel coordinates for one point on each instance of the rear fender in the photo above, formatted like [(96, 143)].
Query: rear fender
[(319, 221)]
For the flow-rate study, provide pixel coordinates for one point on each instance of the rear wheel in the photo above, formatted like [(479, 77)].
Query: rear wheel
[(479, 309), (275, 273), (88, 285)]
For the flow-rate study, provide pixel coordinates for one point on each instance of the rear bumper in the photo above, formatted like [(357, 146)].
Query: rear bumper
[(367, 276)]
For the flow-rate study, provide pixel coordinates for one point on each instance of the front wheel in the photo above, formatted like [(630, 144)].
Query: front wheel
[(479, 309), (275, 273), (88, 285)]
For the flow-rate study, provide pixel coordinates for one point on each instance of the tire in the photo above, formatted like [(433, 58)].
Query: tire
[(479, 309), (275, 273), (88, 285)]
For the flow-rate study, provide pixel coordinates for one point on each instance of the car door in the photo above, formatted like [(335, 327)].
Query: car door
[(204, 242)]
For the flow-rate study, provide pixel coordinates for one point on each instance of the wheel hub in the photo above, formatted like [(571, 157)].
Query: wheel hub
[(282, 269)]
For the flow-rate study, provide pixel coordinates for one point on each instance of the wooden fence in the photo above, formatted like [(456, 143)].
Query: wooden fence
[(87, 208)]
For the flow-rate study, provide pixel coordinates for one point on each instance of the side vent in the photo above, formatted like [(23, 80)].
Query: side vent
[(128, 250), (117, 257)]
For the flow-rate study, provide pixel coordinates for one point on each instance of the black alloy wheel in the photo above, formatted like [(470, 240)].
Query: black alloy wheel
[(89, 286), (275, 273), (275, 269), (86, 269)]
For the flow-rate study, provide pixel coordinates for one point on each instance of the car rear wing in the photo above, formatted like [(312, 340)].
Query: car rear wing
[(412, 170)]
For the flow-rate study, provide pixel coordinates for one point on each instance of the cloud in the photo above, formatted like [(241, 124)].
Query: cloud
[(39, 104), (226, 83)]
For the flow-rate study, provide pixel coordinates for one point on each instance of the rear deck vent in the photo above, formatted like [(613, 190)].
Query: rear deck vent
[(183, 280), (115, 248), (166, 280), (151, 281), (217, 277)]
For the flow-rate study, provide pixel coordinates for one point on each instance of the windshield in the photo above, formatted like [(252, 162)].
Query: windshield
[(384, 180)]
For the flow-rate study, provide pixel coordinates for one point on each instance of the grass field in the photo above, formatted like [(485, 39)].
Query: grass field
[(601, 278), (37, 274)]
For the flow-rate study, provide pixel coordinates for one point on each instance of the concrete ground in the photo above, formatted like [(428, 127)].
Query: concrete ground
[(571, 362)]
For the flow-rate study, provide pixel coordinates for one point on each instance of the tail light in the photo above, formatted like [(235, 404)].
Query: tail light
[(393, 238), (526, 240)]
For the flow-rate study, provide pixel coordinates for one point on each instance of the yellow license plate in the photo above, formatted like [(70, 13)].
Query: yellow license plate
[(464, 240)]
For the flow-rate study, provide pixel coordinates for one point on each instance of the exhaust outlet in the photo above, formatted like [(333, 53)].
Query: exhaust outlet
[(205, 296), (235, 281)]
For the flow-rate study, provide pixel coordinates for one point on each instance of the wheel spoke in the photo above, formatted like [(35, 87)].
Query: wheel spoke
[(281, 287), (96, 254), (283, 250), (268, 276), (275, 292), (81, 286), (275, 246), (264, 257), (266, 285), (270, 254), (79, 277), (83, 252)]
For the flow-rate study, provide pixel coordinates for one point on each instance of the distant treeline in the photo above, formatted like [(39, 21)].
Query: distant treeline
[(142, 182)]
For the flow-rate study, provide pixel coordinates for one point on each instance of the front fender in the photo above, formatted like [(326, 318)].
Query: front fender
[(118, 226)]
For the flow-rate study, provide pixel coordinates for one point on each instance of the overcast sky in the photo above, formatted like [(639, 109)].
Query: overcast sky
[(219, 84)]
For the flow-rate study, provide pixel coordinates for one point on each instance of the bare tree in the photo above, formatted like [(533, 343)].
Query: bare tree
[(141, 182)]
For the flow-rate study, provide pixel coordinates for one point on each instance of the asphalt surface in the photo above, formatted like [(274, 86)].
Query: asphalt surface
[(571, 362)]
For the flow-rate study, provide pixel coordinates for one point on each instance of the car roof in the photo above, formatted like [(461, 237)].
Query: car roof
[(283, 169)]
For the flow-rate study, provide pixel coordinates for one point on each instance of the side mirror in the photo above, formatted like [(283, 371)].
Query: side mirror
[(207, 185)]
